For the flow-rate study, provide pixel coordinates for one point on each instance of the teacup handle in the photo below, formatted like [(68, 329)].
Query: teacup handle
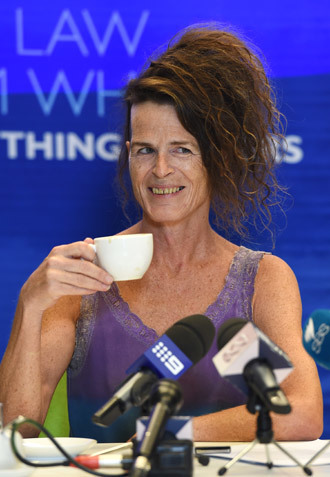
[(93, 246)]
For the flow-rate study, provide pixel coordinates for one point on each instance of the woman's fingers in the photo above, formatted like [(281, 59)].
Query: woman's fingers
[(58, 282), (67, 270), (74, 250), (73, 266), (78, 258), (88, 240), (77, 266)]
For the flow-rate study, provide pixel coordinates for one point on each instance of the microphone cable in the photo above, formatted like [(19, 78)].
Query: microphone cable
[(70, 461)]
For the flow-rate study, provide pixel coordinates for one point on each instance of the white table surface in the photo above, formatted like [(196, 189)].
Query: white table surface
[(283, 466)]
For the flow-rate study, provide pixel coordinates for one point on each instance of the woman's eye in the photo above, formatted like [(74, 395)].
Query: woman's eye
[(145, 150), (181, 150)]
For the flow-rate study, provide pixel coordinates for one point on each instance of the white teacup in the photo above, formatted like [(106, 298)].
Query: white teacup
[(8, 460), (125, 257)]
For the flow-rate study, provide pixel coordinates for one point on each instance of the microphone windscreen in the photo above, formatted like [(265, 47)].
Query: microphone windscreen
[(228, 330), (240, 342), (193, 335), (316, 337)]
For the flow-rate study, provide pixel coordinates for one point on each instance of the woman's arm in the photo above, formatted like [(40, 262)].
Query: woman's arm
[(43, 334), (277, 312)]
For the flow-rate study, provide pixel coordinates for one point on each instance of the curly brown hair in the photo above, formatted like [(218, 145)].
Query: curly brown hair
[(222, 97)]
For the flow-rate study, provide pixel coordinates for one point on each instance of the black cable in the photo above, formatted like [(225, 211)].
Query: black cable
[(70, 460)]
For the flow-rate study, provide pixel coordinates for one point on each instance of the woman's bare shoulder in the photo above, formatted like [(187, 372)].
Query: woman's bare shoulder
[(272, 267), (277, 298)]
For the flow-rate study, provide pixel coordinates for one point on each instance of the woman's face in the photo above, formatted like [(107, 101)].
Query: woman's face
[(168, 176)]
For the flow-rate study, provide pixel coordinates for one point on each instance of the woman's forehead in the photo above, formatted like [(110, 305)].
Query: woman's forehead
[(151, 118)]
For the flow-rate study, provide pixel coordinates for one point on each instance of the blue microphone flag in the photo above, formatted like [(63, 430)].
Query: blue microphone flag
[(315, 337), (164, 358)]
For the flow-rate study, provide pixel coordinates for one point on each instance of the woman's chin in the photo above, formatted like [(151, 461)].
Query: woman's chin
[(164, 217)]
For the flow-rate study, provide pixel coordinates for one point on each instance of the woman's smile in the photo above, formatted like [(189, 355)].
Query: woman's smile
[(166, 190)]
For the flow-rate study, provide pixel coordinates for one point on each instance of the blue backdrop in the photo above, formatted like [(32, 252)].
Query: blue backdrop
[(61, 69)]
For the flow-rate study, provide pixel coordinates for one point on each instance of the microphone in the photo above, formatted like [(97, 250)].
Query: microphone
[(316, 342), (182, 346), (167, 396), (315, 337), (252, 362)]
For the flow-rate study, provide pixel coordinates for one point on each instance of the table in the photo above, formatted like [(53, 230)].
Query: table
[(283, 467)]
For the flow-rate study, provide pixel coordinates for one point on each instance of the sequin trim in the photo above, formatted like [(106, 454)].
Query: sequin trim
[(84, 331), (241, 277)]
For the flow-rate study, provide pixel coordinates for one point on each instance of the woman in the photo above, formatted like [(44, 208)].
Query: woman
[(200, 134)]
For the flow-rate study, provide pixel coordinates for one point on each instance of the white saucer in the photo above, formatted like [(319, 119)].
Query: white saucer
[(22, 471), (42, 449)]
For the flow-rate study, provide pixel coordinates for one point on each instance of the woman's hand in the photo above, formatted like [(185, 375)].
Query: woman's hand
[(67, 270)]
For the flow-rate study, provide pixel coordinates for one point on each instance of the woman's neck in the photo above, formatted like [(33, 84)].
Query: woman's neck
[(178, 244)]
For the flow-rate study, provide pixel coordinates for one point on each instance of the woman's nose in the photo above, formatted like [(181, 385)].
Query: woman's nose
[(162, 166)]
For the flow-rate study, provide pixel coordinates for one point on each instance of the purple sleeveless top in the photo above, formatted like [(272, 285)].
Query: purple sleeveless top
[(109, 338)]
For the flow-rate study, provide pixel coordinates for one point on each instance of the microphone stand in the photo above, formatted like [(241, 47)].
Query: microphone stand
[(264, 435), (167, 397), (318, 453)]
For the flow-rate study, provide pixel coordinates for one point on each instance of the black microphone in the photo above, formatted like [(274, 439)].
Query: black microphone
[(316, 337), (167, 396), (252, 362), (183, 345)]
